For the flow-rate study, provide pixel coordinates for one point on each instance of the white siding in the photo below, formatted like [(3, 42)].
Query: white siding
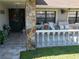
[(62, 17), (3, 17)]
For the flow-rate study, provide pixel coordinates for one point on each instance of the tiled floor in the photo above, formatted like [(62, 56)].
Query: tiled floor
[(12, 47)]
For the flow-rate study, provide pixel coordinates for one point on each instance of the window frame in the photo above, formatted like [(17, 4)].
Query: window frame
[(76, 17), (46, 17)]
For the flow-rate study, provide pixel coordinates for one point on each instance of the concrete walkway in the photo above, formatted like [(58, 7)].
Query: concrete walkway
[(13, 46)]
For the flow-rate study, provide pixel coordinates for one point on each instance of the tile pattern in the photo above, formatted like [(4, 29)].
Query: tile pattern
[(13, 46)]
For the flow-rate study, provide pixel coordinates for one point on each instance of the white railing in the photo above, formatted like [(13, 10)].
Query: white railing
[(49, 38)]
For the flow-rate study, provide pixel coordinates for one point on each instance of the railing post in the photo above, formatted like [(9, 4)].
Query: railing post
[(78, 37), (58, 38), (72, 37), (43, 39), (75, 38), (68, 37), (63, 38), (53, 38), (48, 40), (37, 39)]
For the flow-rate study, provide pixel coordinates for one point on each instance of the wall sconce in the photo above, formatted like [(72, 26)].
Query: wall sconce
[(63, 11)]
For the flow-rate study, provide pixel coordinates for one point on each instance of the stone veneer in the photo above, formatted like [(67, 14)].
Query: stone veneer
[(30, 23)]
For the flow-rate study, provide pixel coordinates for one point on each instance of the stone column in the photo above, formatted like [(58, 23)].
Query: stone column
[(30, 23)]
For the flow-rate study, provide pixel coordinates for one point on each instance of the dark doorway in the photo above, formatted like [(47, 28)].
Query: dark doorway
[(17, 19)]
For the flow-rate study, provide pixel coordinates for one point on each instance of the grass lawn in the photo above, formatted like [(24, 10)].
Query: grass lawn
[(69, 52)]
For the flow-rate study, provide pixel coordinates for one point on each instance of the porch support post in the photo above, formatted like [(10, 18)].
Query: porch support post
[(30, 23)]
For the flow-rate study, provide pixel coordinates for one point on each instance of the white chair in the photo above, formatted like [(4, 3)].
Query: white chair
[(64, 25), (67, 26), (61, 27), (51, 25), (77, 25)]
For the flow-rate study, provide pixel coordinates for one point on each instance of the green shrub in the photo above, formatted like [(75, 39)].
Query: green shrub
[(1, 37)]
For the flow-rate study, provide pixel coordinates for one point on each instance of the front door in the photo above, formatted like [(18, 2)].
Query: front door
[(17, 19)]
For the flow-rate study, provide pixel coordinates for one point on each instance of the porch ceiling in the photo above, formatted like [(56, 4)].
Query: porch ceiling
[(58, 3), (13, 3)]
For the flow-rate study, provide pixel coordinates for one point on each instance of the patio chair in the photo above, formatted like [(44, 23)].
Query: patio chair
[(67, 26), (77, 25), (51, 25), (64, 25)]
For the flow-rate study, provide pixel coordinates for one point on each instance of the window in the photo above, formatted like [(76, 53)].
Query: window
[(73, 17), (45, 16), (40, 17), (51, 16)]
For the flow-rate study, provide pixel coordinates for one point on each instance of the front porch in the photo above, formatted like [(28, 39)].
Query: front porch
[(57, 27), (13, 46)]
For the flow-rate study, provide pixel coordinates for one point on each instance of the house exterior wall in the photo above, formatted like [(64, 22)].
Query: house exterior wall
[(3, 17), (62, 17)]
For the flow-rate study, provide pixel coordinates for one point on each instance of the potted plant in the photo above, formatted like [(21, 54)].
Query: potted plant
[(1, 37)]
